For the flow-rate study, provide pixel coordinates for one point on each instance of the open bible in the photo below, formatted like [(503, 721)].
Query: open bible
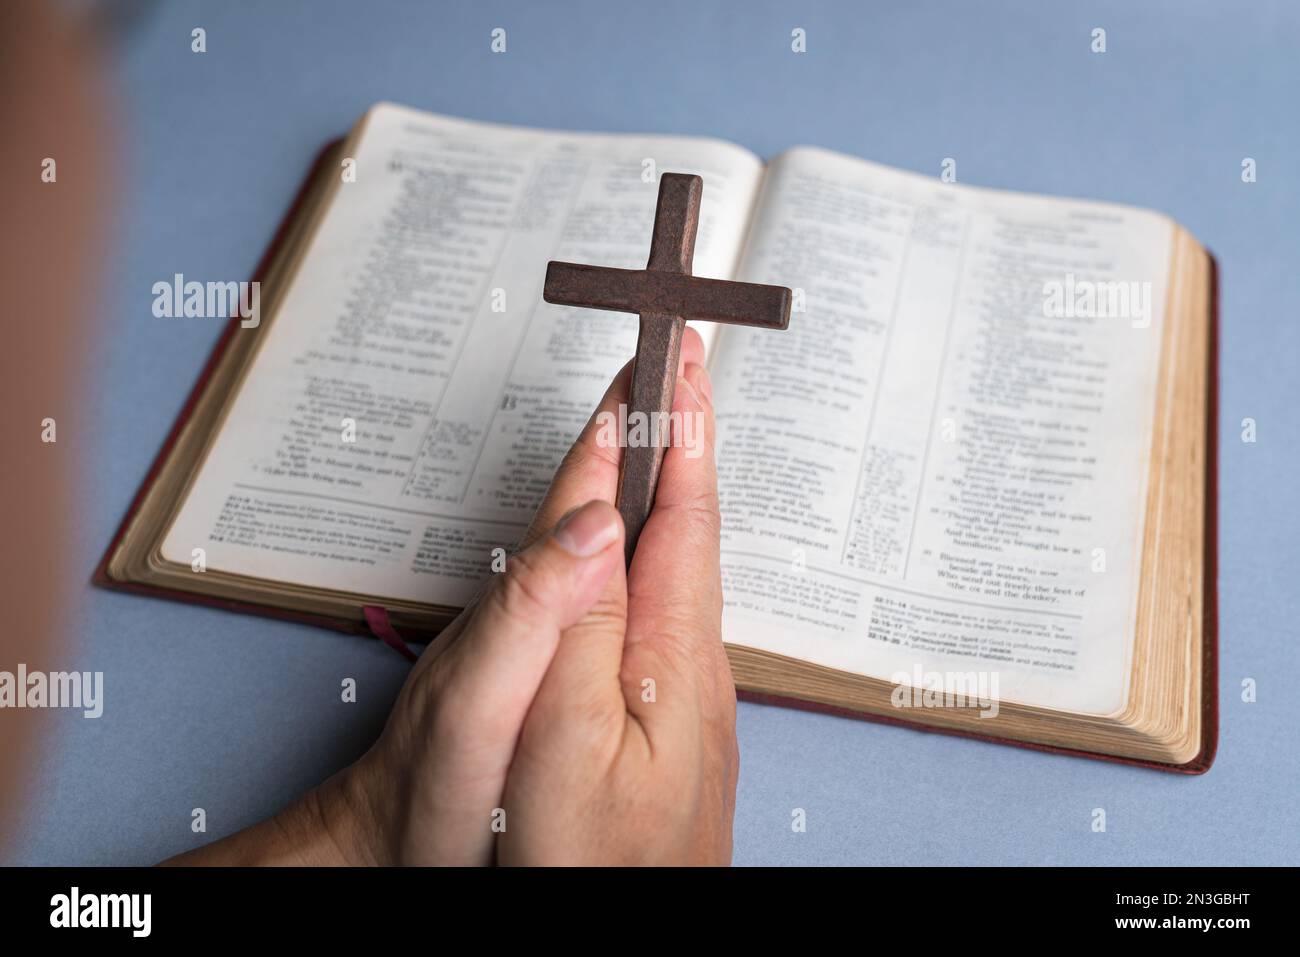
[(969, 489)]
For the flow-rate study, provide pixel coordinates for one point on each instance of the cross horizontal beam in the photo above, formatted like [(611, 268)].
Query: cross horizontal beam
[(650, 292), (665, 295)]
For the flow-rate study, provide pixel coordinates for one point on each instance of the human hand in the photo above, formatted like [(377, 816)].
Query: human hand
[(628, 753), (533, 701)]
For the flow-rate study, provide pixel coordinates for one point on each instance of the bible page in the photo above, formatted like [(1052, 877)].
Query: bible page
[(941, 466), (414, 395)]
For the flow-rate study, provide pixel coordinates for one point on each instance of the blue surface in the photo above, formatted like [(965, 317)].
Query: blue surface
[(236, 714)]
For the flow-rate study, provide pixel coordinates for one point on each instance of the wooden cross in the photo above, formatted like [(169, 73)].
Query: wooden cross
[(665, 294)]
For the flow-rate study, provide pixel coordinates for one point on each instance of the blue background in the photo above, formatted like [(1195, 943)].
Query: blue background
[(237, 714)]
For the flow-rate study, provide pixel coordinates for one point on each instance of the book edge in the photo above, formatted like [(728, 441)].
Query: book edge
[(1209, 700)]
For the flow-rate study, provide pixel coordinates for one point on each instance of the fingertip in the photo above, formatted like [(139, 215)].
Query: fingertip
[(589, 529), (590, 469), (692, 349), (694, 428), (621, 384), (688, 398), (698, 377)]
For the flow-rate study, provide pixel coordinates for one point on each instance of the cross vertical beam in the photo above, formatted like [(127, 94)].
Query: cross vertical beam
[(665, 295)]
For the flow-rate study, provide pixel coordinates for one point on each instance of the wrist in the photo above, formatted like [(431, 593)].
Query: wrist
[(339, 822)]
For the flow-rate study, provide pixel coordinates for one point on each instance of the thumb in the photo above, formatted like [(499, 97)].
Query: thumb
[(484, 683), (502, 655)]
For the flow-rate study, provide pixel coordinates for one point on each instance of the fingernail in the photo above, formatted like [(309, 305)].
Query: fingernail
[(696, 379), (706, 384), (587, 530)]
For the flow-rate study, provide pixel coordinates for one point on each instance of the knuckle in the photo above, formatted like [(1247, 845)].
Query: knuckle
[(521, 593), (670, 663), (606, 616), (588, 453), (700, 510), (594, 725)]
